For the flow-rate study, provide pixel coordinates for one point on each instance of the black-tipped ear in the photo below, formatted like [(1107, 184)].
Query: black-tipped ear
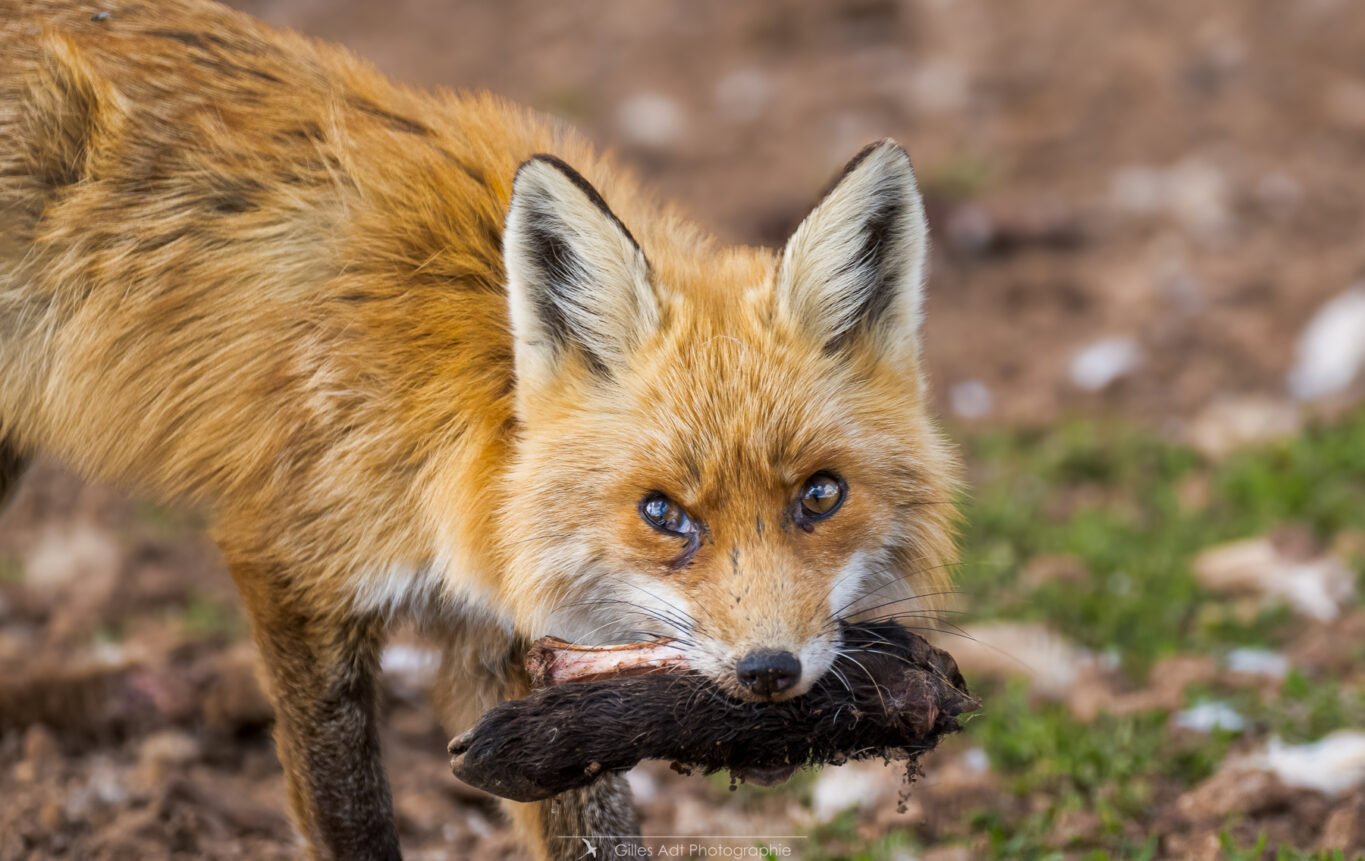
[(855, 266), (577, 282)]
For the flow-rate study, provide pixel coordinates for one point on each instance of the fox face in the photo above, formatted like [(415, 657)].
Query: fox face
[(729, 447)]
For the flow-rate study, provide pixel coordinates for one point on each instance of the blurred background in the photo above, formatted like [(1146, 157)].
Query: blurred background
[(1146, 329)]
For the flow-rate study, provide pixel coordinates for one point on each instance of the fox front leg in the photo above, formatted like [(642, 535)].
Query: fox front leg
[(322, 668)]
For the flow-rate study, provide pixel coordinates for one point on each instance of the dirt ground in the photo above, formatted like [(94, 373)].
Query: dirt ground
[(1181, 178)]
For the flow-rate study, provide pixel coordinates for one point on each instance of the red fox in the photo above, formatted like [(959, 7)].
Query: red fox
[(432, 356)]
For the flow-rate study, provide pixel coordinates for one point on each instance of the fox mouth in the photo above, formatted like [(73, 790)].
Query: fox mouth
[(553, 661)]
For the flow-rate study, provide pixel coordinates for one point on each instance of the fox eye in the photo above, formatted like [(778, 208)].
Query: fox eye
[(666, 515), (821, 496)]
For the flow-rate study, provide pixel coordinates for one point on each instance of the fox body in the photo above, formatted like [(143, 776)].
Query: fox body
[(432, 355)]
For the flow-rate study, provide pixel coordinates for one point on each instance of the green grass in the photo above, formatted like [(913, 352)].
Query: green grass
[(839, 840), (168, 522), (11, 570), (206, 617), (1135, 511), (1112, 497), (1258, 851)]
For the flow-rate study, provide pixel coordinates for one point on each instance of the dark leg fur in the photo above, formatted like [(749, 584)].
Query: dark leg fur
[(603, 813), (322, 670), (12, 466)]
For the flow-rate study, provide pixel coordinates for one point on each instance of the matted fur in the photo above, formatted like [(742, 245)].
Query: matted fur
[(240, 268), (893, 697)]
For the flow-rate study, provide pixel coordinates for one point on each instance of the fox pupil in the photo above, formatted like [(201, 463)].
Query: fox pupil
[(666, 515), (823, 494)]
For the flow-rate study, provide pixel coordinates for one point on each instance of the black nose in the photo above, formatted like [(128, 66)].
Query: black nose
[(768, 672)]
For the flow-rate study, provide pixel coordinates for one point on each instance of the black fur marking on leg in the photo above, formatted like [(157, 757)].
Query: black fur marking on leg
[(323, 683), (12, 466), (601, 814)]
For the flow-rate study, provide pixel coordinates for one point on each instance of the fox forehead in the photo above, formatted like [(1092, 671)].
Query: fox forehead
[(738, 408)]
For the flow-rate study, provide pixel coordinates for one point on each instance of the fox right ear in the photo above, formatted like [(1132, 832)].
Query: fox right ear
[(577, 282)]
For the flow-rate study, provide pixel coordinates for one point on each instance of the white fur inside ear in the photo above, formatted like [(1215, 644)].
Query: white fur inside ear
[(856, 264), (576, 281)]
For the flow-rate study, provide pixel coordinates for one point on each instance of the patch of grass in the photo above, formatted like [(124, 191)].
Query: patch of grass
[(168, 522), (11, 570), (1112, 764), (840, 840), (961, 178), (1259, 850), (1112, 497), (207, 617), (1302, 710), (571, 104)]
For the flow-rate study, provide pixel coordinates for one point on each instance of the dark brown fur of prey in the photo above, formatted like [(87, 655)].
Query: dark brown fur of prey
[(891, 695)]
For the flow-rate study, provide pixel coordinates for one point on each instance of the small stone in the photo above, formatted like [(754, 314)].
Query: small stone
[(1315, 587), (64, 555), (1072, 826), (971, 399), (1193, 193), (1229, 425), (1232, 790), (743, 94), (164, 752), (50, 817), (1209, 716), (1051, 664), (652, 120), (1345, 828), (1258, 662), (856, 786), (1331, 350), (1100, 364), (1332, 765), (42, 754), (940, 87)]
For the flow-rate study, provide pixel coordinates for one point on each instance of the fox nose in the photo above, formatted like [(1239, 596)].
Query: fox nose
[(768, 672)]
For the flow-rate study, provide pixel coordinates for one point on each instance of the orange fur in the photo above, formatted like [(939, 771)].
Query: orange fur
[(240, 268)]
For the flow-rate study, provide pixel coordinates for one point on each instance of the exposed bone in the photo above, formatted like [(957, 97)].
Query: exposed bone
[(552, 661)]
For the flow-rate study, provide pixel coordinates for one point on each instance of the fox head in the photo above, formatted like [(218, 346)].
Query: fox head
[(729, 447)]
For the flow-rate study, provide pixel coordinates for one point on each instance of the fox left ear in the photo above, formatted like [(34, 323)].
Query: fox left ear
[(854, 268)]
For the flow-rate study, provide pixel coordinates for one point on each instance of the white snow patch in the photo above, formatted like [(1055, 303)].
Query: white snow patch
[(971, 399), (853, 786), (1332, 765), (1231, 424), (1210, 716), (975, 759), (1331, 350), (1192, 192), (1258, 662), (1098, 365), (1318, 587), (413, 663), (65, 554), (742, 95), (652, 120), (643, 786), (1049, 662), (940, 87)]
